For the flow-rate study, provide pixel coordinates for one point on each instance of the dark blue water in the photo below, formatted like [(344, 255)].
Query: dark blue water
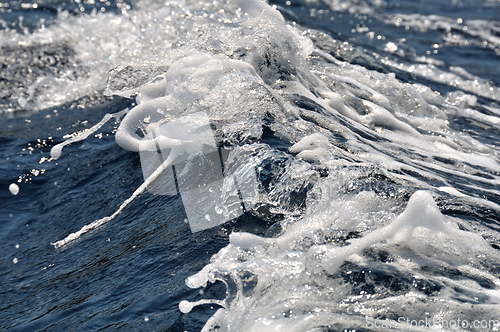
[(150, 248), (129, 275), (136, 278)]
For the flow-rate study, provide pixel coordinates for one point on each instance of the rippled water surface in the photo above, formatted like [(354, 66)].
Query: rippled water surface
[(371, 129)]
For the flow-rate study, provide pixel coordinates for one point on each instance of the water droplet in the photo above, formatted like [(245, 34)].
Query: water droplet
[(14, 189), (185, 307)]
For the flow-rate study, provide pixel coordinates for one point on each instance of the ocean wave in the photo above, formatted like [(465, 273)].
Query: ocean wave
[(363, 178)]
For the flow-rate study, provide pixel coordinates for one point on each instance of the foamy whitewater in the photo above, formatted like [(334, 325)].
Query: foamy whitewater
[(378, 172)]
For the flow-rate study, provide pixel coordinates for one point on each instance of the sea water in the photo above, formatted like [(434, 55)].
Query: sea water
[(359, 166)]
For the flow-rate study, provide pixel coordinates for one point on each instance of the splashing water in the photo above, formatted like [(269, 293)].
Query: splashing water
[(357, 234), (297, 281)]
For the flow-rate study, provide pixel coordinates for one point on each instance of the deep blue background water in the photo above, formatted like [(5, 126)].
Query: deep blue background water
[(129, 275)]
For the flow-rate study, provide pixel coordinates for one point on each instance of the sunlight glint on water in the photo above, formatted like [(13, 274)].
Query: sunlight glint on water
[(369, 180)]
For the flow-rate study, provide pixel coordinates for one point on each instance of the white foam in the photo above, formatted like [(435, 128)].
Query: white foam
[(477, 85), (14, 189), (489, 119), (314, 148), (56, 150), (99, 42), (290, 277), (185, 307), (420, 212), (245, 68), (187, 87), (475, 28), (98, 223), (451, 191)]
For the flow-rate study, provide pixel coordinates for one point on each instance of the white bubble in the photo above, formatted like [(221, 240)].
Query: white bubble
[(185, 307), (391, 47), (15, 260), (17, 246), (146, 319), (14, 189)]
